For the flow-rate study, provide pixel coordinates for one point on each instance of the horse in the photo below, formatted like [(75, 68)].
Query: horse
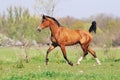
[(62, 36)]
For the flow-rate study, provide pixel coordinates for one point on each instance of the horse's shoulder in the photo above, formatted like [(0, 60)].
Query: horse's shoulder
[(63, 28)]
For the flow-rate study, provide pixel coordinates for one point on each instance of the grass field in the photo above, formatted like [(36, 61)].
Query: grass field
[(13, 67)]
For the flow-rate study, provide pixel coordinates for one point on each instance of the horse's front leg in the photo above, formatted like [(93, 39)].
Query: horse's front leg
[(65, 56), (53, 45)]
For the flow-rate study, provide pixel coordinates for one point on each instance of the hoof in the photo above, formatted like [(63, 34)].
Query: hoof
[(77, 64), (47, 63), (99, 64), (70, 63)]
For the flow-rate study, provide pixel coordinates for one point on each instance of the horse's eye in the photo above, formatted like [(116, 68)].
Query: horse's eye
[(42, 21)]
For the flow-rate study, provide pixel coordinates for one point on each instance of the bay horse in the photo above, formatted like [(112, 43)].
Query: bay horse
[(62, 36)]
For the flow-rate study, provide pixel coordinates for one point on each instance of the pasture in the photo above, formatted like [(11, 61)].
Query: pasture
[(14, 67)]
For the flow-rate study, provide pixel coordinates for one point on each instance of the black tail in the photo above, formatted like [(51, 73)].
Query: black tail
[(93, 27)]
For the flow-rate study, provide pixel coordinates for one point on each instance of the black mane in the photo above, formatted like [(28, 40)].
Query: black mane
[(59, 25)]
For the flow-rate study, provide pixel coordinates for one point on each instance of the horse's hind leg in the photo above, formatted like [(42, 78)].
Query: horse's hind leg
[(80, 59), (53, 45), (94, 55), (84, 48)]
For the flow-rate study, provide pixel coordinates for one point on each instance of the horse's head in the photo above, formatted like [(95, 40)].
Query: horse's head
[(44, 24)]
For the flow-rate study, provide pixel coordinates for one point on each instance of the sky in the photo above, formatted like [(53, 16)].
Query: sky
[(74, 8)]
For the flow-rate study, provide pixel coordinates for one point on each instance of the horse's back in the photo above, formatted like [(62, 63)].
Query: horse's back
[(68, 36), (78, 32), (80, 35)]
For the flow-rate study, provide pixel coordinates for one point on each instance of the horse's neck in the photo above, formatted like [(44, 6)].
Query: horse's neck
[(54, 29)]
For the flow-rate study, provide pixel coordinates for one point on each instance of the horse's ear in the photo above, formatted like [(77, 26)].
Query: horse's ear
[(44, 16)]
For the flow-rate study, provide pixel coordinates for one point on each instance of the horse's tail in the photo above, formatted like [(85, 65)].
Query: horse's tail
[(93, 27)]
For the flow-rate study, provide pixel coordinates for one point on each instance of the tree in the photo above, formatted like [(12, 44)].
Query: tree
[(67, 21), (46, 6)]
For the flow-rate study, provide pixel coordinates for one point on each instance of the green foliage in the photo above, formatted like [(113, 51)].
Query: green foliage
[(37, 70), (19, 64), (58, 76), (78, 25), (19, 24)]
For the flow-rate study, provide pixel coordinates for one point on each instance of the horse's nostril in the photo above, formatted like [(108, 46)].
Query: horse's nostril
[(39, 30)]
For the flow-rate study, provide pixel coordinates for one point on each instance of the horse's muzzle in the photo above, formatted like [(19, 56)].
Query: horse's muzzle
[(38, 29)]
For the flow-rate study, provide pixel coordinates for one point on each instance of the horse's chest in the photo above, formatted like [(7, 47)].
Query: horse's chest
[(53, 39)]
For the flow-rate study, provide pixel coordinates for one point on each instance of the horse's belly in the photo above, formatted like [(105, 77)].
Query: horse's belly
[(71, 41)]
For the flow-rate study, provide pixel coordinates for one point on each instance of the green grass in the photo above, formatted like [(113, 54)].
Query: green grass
[(13, 68)]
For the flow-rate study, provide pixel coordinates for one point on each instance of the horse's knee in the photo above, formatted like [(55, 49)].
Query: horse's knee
[(65, 57)]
